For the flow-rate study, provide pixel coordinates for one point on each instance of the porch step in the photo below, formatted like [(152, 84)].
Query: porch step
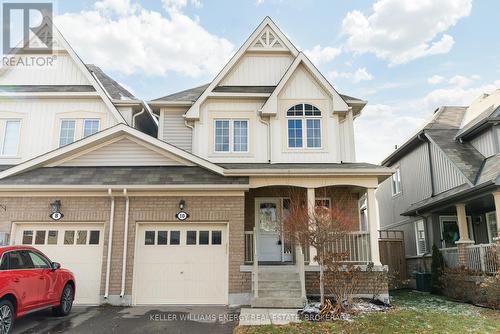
[(278, 287), (278, 302)]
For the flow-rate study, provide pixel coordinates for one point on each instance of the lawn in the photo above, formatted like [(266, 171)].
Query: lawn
[(413, 312)]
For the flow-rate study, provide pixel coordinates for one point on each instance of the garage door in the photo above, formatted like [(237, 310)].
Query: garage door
[(78, 247), (181, 264)]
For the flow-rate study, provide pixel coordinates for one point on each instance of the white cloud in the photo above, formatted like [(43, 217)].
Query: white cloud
[(380, 128), (361, 74), (319, 55), (435, 79), (403, 30), (123, 36), (259, 2)]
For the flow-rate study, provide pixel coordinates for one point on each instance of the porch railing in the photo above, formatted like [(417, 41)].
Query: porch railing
[(480, 257), (355, 244)]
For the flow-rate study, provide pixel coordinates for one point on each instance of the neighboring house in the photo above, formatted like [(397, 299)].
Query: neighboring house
[(46, 107), (194, 215), (446, 188)]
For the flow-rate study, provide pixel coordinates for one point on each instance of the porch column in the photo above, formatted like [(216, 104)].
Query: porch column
[(496, 196), (373, 225), (311, 203), (463, 230)]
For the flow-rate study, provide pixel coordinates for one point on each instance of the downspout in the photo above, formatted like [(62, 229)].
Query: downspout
[(110, 241), (133, 117), (125, 242)]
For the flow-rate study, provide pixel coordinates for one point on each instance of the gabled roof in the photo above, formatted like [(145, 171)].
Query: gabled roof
[(58, 38), (113, 88), (193, 112), (89, 143), (478, 124), (188, 95), (270, 107)]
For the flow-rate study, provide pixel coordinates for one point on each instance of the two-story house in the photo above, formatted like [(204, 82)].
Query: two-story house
[(446, 188), (194, 215)]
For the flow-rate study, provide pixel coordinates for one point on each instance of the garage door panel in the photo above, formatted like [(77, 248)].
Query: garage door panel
[(84, 259), (190, 273)]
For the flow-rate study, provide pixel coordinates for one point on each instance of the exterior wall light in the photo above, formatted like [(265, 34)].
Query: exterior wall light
[(182, 204), (56, 210)]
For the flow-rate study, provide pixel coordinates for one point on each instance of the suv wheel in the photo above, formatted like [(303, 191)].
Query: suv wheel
[(67, 297), (6, 317)]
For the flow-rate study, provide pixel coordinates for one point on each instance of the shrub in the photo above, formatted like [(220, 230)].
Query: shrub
[(437, 268)]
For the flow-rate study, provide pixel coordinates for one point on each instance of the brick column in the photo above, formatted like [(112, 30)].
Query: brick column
[(463, 230)]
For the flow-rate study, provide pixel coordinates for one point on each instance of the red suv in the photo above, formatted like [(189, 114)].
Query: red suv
[(29, 281)]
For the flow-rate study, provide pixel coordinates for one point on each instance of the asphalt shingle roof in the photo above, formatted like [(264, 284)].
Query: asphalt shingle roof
[(113, 88), (345, 165), (133, 175), (490, 170)]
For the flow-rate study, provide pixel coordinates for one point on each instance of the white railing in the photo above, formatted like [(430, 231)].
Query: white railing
[(255, 268), (480, 257), (355, 245), (249, 246), (450, 256)]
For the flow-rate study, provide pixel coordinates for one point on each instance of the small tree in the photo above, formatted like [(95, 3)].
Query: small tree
[(319, 228), (437, 268)]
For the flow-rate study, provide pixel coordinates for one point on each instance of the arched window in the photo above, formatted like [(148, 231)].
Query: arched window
[(304, 126)]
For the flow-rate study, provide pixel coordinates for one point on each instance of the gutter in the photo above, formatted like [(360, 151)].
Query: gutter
[(125, 242), (110, 241)]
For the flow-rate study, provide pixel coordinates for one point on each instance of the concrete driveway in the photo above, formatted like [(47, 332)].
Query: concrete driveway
[(140, 319)]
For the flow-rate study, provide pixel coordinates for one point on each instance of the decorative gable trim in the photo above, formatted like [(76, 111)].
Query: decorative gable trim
[(263, 29), (268, 40), (271, 106), (100, 139)]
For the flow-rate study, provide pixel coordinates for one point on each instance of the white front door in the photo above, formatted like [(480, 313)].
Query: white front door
[(492, 225), (268, 223), (181, 264), (77, 247)]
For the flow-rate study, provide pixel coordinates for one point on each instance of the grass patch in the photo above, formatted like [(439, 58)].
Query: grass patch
[(413, 312)]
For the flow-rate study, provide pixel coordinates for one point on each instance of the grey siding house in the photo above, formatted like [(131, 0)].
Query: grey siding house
[(446, 188)]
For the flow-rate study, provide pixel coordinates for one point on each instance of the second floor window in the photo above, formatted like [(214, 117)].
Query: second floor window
[(396, 182), (90, 126), (67, 135), (304, 126), (420, 237), (11, 135), (231, 135)]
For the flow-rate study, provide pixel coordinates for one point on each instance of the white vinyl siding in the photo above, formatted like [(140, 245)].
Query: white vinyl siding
[(174, 130), (485, 143), (420, 237), (124, 152), (11, 136), (231, 136)]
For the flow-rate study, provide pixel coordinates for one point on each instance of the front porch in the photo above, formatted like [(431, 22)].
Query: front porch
[(284, 274)]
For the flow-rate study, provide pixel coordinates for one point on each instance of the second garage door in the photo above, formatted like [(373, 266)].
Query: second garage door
[(181, 264)]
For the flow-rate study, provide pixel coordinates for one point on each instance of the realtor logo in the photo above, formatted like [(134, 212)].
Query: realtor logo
[(27, 28)]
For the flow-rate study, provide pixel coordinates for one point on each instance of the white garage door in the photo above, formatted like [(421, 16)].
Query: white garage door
[(78, 247), (181, 264)]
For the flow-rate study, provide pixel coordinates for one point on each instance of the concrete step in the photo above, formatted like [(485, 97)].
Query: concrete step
[(277, 302), (279, 293), (278, 276), (263, 284), (292, 269)]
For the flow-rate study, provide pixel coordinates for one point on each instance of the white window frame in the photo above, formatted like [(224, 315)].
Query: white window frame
[(327, 199), (75, 122), (304, 119), (396, 188), (488, 220), (470, 229), (3, 133), (419, 251), (91, 120), (231, 135)]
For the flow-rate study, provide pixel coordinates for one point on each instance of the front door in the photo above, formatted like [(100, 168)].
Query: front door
[(268, 223)]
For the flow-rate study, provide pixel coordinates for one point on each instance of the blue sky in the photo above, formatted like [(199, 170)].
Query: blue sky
[(405, 57)]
